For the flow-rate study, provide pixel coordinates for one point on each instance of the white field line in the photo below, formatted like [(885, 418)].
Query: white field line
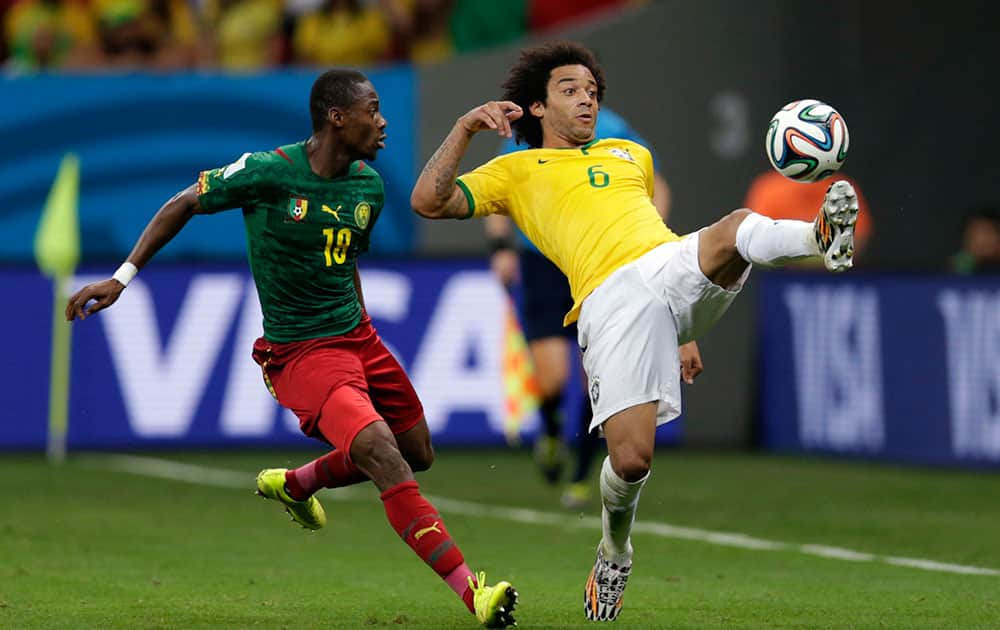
[(202, 475)]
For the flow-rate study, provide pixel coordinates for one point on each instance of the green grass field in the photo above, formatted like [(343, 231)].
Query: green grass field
[(89, 545)]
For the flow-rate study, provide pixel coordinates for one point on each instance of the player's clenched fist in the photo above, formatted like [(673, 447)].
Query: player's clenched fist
[(691, 365), (492, 115)]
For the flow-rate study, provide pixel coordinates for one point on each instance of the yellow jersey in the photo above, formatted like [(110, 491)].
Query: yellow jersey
[(588, 209)]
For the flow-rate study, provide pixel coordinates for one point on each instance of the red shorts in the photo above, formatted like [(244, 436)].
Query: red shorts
[(339, 385)]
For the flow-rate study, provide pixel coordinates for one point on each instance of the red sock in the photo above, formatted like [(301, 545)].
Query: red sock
[(458, 580), (421, 527), (333, 470)]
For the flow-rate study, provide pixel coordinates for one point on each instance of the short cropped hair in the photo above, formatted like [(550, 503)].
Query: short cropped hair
[(334, 88), (528, 81)]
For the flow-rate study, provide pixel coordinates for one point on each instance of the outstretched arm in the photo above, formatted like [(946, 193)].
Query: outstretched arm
[(167, 222), (435, 194)]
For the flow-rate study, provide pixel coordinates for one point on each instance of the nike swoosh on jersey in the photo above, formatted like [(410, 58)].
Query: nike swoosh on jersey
[(541, 161)]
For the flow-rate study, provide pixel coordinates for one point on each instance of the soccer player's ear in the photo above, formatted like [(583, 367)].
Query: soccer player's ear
[(335, 117), (537, 109)]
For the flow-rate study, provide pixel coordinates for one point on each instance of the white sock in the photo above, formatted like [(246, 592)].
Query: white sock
[(620, 499), (769, 242)]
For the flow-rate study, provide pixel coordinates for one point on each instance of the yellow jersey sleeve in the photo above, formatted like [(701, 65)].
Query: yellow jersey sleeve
[(646, 163), (487, 188)]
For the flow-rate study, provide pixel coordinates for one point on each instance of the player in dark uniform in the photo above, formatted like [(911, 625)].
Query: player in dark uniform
[(309, 209)]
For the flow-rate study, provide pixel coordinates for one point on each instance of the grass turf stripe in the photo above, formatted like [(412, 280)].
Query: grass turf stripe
[(203, 475)]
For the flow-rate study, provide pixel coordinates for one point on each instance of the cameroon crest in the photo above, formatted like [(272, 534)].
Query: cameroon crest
[(362, 213), (297, 208)]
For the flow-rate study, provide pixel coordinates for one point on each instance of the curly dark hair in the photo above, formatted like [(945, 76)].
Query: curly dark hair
[(528, 82), (334, 88)]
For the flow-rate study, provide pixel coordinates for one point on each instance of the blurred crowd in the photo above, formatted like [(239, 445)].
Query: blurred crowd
[(248, 35), (980, 244)]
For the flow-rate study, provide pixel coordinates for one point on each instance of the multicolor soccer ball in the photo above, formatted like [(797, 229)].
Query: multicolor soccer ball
[(807, 140)]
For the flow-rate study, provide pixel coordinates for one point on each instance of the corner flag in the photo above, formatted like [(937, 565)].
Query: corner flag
[(57, 241), (57, 251), (519, 386)]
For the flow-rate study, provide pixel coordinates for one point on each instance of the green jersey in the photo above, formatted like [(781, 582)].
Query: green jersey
[(304, 235)]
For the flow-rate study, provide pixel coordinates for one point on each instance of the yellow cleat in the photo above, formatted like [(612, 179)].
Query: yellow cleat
[(550, 455), (494, 604), (576, 496), (309, 513)]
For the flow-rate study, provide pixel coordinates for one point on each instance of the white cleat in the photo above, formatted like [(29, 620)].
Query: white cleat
[(602, 596), (834, 226)]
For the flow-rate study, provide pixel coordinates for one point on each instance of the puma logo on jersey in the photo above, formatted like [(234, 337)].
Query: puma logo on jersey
[(421, 532), (327, 210)]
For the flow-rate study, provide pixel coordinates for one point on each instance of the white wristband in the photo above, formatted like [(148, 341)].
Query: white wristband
[(125, 273)]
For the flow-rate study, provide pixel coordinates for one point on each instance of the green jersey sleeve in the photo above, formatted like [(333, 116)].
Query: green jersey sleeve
[(238, 185)]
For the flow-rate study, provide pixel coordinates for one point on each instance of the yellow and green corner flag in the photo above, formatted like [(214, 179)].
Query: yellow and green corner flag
[(519, 386), (57, 252)]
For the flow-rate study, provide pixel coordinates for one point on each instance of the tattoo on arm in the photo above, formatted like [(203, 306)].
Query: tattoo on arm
[(435, 191), (456, 206), (444, 174), (442, 167)]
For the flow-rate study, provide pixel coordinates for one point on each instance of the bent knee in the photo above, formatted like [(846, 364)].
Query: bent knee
[(633, 464), (549, 385), (729, 224), (717, 243), (422, 459), (738, 215), (375, 446)]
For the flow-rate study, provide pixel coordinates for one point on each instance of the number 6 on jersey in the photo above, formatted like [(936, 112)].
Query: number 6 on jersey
[(598, 178)]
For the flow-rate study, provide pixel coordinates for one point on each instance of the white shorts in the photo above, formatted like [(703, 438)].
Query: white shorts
[(632, 323)]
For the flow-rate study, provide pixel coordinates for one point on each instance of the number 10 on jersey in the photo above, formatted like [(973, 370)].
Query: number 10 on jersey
[(338, 244)]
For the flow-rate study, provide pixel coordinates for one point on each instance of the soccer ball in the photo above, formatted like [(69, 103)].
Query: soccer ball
[(807, 140)]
